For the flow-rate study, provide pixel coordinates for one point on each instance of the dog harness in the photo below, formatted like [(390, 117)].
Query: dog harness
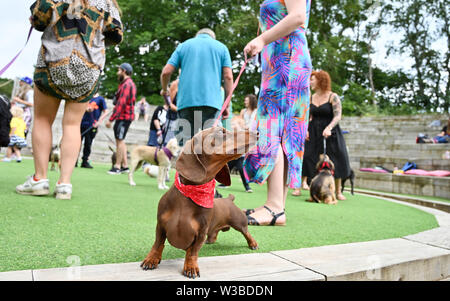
[(166, 151), (202, 195), (326, 165)]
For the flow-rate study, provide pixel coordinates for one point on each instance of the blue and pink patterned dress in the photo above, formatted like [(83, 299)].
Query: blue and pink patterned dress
[(283, 105)]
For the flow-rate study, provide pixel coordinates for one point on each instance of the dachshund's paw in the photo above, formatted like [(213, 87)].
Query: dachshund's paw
[(150, 263), (254, 246), (191, 270)]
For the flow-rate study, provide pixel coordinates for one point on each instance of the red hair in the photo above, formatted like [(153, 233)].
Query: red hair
[(323, 80)]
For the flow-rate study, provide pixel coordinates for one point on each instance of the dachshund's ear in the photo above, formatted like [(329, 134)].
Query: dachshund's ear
[(189, 165), (223, 176)]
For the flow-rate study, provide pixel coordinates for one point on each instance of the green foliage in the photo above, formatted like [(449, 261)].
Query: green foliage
[(6, 89), (340, 38)]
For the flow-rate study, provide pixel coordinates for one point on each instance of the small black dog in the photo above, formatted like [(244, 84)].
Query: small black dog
[(351, 177)]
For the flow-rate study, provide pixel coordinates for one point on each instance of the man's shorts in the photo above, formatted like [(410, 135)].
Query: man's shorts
[(121, 129)]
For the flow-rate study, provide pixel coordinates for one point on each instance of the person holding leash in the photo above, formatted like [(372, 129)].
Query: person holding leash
[(92, 119), (326, 112), (283, 105), (69, 66), (204, 63)]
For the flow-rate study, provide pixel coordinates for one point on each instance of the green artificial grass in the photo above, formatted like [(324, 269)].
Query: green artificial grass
[(108, 221)]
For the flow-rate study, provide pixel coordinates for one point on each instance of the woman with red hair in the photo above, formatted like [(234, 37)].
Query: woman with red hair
[(325, 114)]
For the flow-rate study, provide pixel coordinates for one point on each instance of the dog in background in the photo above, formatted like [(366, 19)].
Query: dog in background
[(323, 188), (55, 156), (156, 156), (188, 213), (351, 177)]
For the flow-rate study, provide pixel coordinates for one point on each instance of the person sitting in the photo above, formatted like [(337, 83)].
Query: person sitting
[(142, 109), (444, 135)]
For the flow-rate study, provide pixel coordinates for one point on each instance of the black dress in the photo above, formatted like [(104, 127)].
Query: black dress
[(335, 144)]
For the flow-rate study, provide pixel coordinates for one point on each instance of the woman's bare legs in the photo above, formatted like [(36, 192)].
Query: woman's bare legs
[(276, 192), (45, 109), (71, 139), (339, 195)]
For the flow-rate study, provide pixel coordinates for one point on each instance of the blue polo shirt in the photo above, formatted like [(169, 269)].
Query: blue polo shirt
[(201, 60)]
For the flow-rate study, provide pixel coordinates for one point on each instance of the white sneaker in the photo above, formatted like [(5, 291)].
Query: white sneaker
[(32, 187), (6, 159), (63, 191)]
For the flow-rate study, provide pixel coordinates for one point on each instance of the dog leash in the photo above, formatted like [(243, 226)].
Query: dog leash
[(168, 102), (324, 145), (17, 55), (228, 99)]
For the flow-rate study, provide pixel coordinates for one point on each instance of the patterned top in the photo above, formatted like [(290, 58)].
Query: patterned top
[(72, 55)]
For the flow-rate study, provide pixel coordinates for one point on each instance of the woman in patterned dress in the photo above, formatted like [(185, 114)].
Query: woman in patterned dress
[(69, 65), (283, 106)]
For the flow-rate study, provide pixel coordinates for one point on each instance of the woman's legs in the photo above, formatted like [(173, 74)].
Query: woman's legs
[(71, 139), (305, 183), (45, 109), (339, 195), (276, 192)]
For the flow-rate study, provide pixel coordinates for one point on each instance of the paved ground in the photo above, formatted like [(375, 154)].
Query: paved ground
[(422, 256)]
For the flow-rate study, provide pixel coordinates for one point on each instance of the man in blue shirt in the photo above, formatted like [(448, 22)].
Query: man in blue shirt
[(95, 113), (204, 63)]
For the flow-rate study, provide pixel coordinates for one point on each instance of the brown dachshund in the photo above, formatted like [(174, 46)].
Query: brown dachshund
[(183, 222), (322, 188)]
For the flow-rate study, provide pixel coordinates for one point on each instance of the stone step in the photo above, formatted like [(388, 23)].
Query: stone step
[(397, 259), (422, 201), (391, 162), (404, 184)]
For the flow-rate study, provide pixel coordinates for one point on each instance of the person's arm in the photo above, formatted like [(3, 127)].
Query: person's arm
[(20, 100), (165, 78), (227, 75), (337, 115), (295, 18), (102, 117)]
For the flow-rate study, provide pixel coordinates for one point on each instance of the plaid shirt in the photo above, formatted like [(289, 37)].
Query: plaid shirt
[(125, 100)]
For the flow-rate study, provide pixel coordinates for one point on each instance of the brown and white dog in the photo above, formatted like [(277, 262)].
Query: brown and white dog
[(55, 156), (188, 212), (323, 188), (156, 156)]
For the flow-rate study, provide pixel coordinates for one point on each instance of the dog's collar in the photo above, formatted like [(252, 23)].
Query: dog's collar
[(202, 195), (166, 151), (326, 165)]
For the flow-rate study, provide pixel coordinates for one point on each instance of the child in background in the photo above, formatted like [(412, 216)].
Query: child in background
[(17, 135)]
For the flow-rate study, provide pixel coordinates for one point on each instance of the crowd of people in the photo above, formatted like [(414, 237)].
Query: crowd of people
[(294, 126)]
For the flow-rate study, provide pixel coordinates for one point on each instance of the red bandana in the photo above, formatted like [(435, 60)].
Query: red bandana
[(202, 195), (328, 166)]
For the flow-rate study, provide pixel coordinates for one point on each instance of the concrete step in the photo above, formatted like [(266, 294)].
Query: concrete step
[(422, 201), (390, 162), (404, 184)]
